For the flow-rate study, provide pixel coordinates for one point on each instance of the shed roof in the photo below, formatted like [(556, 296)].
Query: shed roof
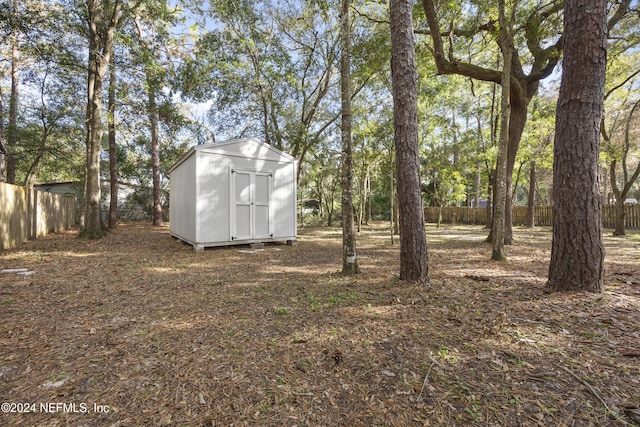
[(250, 148)]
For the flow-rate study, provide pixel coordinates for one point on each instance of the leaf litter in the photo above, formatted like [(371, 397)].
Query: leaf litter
[(141, 330)]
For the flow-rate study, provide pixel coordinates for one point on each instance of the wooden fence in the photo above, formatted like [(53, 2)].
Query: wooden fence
[(543, 215), (27, 214)]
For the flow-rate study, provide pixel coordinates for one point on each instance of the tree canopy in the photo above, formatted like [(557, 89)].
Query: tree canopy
[(188, 72)]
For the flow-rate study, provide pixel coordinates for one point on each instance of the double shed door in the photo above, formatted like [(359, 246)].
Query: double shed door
[(251, 205)]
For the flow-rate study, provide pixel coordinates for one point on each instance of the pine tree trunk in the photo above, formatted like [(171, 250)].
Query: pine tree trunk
[(392, 205), (12, 126), (155, 155), (413, 244), (577, 251), (3, 144), (113, 160), (349, 258)]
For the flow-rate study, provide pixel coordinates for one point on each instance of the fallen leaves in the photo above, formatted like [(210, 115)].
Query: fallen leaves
[(161, 335)]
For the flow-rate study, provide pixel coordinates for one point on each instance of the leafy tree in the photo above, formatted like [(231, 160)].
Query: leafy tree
[(152, 23), (623, 155), (577, 251), (321, 180), (537, 51), (16, 11), (619, 139), (44, 120), (537, 141)]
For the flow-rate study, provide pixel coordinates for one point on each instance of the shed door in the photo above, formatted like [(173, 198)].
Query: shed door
[(250, 205), (261, 206)]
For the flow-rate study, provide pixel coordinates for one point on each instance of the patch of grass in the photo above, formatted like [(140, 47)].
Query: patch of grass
[(444, 353), (314, 301), (265, 407), (342, 298), (262, 290), (57, 377), (280, 311)]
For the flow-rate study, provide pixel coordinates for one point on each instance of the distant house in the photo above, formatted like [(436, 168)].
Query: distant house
[(233, 192), (67, 188)]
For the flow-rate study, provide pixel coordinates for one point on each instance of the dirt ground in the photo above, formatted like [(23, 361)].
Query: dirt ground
[(137, 329)]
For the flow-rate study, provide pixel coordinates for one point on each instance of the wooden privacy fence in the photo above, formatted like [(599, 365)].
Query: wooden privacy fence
[(543, 215), (27, 214)]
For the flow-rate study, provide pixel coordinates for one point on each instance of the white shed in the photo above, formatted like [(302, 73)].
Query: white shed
[(233, 192)]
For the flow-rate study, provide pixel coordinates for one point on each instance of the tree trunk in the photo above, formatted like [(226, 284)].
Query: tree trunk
[(392, 205), (367, 210), (476, 186), (627, 180), (349, 258), (113, 159), (31, 174), (92, 228), (396, 212), (491, 195), (502, 183), (360, 213), (531, 200), (413, 244), (155, 154), (577, 251), (103, 19), (3, 144), (12, 127), (620, 217), (519, 106)]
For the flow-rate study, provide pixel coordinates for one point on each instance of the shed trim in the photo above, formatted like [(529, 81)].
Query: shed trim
[(205, 147)]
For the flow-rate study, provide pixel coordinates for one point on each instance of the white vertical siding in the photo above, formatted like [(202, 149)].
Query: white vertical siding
[(182, 200), (201, 197)]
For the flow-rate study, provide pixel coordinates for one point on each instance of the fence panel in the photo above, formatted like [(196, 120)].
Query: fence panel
[(543, 215), (453, 215), (26, 214), (13, 215)]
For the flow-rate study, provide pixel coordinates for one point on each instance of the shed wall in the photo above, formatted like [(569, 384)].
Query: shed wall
[(284, 201), (213, 198), (214, 201), (202, 201), (182, 199)]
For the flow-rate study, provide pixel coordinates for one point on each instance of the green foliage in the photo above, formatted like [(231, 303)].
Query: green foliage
[(269, 69)]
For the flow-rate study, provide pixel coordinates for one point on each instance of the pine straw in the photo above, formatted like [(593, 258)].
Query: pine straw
[(161, 335)]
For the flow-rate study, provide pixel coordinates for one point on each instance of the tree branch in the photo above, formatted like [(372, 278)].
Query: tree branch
[(613, 89), (621, 12)]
